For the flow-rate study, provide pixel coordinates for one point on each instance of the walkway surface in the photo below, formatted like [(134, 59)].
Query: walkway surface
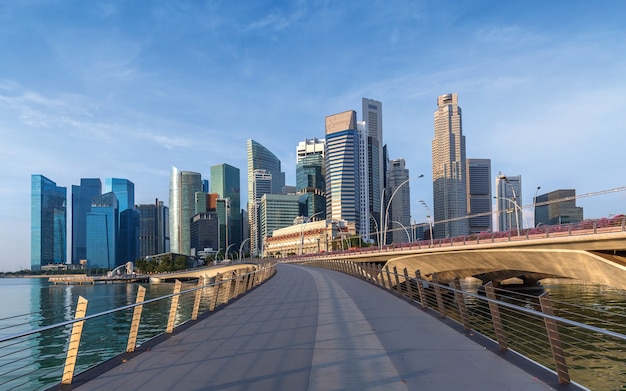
[(315, 329)]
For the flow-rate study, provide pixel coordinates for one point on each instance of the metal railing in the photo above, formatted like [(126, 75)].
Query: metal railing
[(42, 357), (592, 355)]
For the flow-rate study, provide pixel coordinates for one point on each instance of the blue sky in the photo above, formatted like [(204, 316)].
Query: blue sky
[(129, 88)]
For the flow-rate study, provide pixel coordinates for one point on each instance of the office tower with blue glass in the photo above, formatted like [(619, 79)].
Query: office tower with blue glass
[(373, 118), (225, 181), (310, 178), (81, 205), (479, 198), (48, 230), (449, 170), (183, 188), (128, 219), (342, 158), (103, 232), (261, 185)]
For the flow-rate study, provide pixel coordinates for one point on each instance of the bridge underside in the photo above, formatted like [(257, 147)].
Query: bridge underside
[(528, 264)]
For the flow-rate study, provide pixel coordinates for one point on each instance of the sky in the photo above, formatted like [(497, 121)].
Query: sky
[(129, 89)]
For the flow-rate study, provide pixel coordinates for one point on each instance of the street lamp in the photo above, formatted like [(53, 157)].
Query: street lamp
[(241, 248), (228, 248), (377, 230), (430, 223), (535, 206), (517, 207), (384, 227), (505, 179), (405, 230)]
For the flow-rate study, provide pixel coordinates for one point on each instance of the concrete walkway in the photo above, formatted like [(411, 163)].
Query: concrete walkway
[(314, 329)]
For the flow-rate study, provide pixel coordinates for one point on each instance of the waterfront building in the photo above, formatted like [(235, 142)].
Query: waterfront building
[(310, 178), (449, 170), (204, 232), (277, 211), (48, 229), (479, 199), (81, 205), (183, 187), (557, 207), (342, 159), (309, 238), (400, 207), (153, 229), (376, 170), (225, 182), (509, 202), (128, 219), (103, 232)]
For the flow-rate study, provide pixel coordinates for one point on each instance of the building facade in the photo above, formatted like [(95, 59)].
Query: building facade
[(81, 205), (226, 183), (128, 219), (479, 199), (310, 178), (204, 232), (342, 168), (557, 207), (449, 170), (509, 203), (277, 211), (400, 208), (48, 229), (373, 118), (103, 232), (183, 187), (153, 229)]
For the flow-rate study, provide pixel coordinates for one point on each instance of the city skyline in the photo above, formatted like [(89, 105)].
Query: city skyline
[(99, 95)]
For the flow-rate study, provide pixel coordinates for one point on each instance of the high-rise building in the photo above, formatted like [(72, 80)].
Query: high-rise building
[(225, 181), (204, 232), (48, 230), (364, 184), (449, 170), (277, 211), (342, 168), (153, 229), (557, 207), (479, 198), (103, 232), (373, 117), (310, 179), (81, 205), (128, 219), (509, 202), (183, 187), (261, 185), (400, 208)]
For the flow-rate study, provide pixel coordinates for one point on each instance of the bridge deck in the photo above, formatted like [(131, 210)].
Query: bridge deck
[(320, 330)]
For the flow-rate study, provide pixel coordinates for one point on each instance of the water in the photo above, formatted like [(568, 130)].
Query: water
[(30, 303)]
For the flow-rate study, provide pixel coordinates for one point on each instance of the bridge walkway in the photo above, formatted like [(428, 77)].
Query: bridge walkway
[(316, 329)]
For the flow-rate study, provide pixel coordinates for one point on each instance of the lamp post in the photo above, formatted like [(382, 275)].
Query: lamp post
[(384, 228), (241, 248), (228, 248), (306, 219), (376, 225), (516, 208), (430, 223), (535, 207), (405, 230), (505, 179)]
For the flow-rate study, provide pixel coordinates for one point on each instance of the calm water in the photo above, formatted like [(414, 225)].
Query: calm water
[(33, 303)]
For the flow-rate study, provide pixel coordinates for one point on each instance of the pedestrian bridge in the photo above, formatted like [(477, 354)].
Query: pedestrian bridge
[(594, 255)]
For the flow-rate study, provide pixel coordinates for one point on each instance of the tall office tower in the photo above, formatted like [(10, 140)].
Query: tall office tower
[(153, 229), (260, 158), (204, 232), (226, 183), (557, 207), (364, 183), (509, 202), (310, 180), (400, 208), (81, 205), (479, 198), (373, 117), (341, 157), (449, 170), (277, 211), (103, 232), (48, 230), (128, 220), (205, 185), (183, 188), (261, 185)]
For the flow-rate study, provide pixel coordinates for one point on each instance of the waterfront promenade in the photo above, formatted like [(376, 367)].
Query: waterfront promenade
[(316, 329)]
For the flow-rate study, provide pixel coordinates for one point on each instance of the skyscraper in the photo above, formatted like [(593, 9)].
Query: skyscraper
[(183, 187), (557, 207), (277, 211), (103, 232), (261, 185), (310, 179), (225, 181), (128, 219), (153, 229), (509, 202), (81, 205), (449, 170), (48, 230), (400, 210), (479, 198), (373, 117), (342, 168), (364, 183)]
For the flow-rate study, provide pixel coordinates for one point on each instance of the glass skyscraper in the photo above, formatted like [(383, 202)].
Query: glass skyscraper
[(183, 188), (153, 229), (509, 202), (342, 168), (225, 181), (373, 117), (128, 219), (48, 223), (102, 232), (449, 170), (81, 205), (310, 178), (479, 198)]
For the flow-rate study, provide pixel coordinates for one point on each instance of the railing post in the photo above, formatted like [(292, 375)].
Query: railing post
[(460, 299), (420, 288), (555, 339), (72, 350), (196, 302), (216, 291), (395, 273), (407, 281), (495, 317), (134, 324), (173, 307), (440, 305), (382, 276), (388, 277)]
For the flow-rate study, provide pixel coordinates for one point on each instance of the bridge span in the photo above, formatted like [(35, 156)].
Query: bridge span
[(588, 255)]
